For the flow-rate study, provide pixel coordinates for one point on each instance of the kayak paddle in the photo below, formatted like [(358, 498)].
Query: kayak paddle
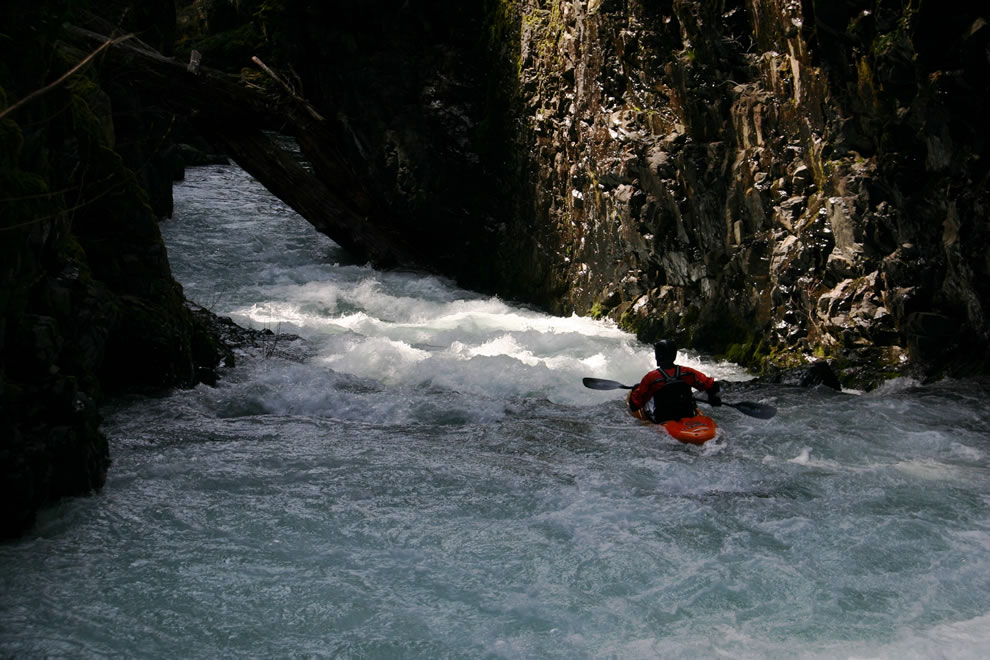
[(758, 410), (602, 384), (751, 408)]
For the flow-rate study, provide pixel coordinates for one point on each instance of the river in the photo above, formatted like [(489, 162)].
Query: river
[(423, 475)]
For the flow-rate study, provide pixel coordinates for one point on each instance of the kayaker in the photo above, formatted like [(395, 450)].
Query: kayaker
[(669, 387)]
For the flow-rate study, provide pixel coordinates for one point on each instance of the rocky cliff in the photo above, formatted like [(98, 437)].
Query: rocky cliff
[(771, 180), (88, 305)]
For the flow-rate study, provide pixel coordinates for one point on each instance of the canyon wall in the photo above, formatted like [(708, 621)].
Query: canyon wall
[(88, 306), (771, 180)]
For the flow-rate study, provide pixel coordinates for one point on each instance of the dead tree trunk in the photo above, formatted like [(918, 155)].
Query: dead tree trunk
[(306, 194), (334, 198)]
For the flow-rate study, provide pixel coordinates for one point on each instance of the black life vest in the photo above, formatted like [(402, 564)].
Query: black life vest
[(674, 400)]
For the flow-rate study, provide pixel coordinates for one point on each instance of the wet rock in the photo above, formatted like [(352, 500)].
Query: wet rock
[(745, 179), (782, 170), (813, 375), (770, 184), (88, 305)]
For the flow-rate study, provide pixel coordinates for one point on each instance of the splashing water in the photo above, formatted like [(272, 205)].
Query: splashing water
[(431, 480)]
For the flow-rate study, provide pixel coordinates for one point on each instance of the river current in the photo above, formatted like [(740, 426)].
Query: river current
[(423, 475)]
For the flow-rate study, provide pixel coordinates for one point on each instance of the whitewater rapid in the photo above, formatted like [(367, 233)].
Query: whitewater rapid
[(423, 475)]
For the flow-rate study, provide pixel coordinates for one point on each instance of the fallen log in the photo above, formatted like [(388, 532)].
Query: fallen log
[(287, 179), (334, 197)]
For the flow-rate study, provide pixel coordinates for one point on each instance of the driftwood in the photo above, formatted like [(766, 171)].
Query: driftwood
[(334, 197), (288, 88), (288, 180)]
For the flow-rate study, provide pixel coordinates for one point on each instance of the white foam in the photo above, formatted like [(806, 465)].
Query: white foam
[(895, 385), (367, 327), (961, 640), (933, 470), (408, 329)]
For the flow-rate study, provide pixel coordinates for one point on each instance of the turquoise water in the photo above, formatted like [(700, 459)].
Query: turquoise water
[(425, 477)]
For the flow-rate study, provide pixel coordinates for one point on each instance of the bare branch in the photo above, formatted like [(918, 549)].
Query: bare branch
[(288, 88), (50, 86)]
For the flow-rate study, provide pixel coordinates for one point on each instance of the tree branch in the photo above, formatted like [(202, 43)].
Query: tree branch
[(52, 85)]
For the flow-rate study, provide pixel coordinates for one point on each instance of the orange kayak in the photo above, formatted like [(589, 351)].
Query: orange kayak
[(695, 430)]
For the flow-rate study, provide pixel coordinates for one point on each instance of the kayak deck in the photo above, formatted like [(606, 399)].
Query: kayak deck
[(695, 430)]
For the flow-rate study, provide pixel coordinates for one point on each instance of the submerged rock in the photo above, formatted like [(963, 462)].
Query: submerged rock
[(817, 374)]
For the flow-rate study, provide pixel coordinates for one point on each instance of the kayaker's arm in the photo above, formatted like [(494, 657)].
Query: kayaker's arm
[(713, 394), (704, 383), (640, 394)]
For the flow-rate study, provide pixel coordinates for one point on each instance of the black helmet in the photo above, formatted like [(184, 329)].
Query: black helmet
[(665, 352)]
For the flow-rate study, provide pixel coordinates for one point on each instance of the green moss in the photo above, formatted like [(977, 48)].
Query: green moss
[(229, 49), (751, 352), (11, 139), (549, 24), (882, 43), (689, 319), (865, 81), (26, 199), (504, 18), (633, 323), (783, 358)]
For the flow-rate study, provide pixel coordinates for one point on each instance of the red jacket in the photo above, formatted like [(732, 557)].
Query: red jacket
[(654, 381)]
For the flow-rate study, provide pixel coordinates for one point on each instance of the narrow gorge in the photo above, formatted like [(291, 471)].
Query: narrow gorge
[(774, 182)]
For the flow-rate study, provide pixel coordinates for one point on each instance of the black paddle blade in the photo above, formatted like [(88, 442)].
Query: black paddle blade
[(758, 410), (602, 384)]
